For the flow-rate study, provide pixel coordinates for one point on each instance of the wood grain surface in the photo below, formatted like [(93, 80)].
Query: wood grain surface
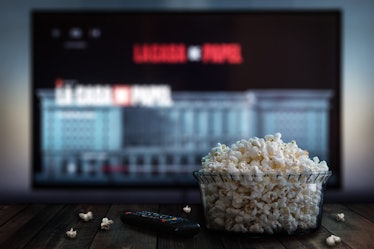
[(44, 226)]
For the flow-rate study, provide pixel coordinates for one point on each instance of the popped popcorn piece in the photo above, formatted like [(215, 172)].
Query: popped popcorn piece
[(71, 233), (86, 216), (187, 209), (339, 217), (333, 240), (105, 223)]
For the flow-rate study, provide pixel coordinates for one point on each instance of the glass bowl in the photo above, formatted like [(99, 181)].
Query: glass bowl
[(260, 204)]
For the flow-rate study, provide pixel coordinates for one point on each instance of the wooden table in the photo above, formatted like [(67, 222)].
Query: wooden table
[(44, 226)]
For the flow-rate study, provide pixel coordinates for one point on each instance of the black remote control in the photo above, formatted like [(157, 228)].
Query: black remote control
[(162, 223)]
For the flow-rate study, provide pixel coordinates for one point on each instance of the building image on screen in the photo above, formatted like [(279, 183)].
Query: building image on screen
[(125, 99)]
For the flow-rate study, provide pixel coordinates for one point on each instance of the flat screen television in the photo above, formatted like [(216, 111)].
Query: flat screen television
[(136, 98)]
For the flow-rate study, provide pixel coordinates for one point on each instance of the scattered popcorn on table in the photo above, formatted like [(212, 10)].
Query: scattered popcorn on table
[(187, 209), (333, 240), (86, 216), (262, 186), (71, 233), (105, 223), (340, 217)]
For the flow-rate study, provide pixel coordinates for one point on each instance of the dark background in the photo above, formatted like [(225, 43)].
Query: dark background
[(357, 60)]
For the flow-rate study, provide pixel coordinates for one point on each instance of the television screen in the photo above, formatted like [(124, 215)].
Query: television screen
[(125, 99)]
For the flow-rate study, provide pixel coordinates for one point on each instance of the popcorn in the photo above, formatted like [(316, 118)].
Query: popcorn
[(86, 216), (339, 217), (262, 185), (71, 233), (105, 223), (270, 153), (333, 240), (187, 209)]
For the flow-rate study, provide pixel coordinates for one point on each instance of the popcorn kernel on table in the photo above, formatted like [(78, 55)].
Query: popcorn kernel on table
[(71, 233), (333, 240), (105, 223), (187, 209), (340, 217), (86, 216)]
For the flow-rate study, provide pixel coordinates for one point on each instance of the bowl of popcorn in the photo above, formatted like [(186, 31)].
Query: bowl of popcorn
[(262, 186)]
